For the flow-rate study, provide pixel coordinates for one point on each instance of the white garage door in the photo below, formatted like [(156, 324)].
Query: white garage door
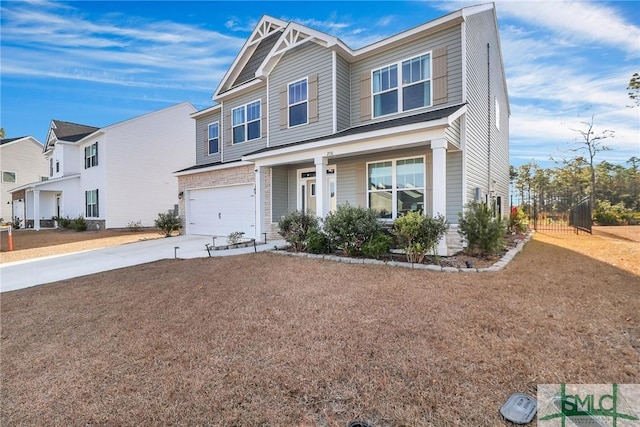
[(220, 211)]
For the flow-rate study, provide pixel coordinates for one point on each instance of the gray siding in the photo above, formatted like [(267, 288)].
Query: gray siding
[(454, 186), (279, 192), (449, 38), (480, 121), (452, 133), (297, 64), (343, 100), (202, 139), (233, 151)]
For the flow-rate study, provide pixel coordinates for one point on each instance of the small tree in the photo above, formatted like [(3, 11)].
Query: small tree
[(167, 223), (419, 234), (592, 143), (634, 89), (481, 230)]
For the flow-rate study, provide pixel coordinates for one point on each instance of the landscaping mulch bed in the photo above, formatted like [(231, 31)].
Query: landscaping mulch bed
[(263, 339)]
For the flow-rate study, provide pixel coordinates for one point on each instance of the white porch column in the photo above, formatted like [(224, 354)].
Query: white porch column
[(36, 209), (322, 188), (439, 180), (259, 199)]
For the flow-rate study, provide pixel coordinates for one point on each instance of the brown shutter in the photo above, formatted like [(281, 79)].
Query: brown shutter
[(263, 117), (440, 72), (206, 140), (284, 121), (313, 98), (365, 96)]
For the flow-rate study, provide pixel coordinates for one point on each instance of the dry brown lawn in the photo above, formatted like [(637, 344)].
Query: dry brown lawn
[(264, 339)]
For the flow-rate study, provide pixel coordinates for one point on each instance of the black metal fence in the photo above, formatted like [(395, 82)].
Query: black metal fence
[(580, 216)]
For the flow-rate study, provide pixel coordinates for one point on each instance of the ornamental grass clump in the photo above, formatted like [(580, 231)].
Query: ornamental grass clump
[(482, 231), (419, 234)]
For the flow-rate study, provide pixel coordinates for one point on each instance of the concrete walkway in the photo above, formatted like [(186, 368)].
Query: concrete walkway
[(24, 274)]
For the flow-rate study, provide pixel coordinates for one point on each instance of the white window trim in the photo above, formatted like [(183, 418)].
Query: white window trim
[(401, 85), (289, 105), (209, 139), (15, 176), (95, 204), (394, 183), (246, 122), (91, 156)]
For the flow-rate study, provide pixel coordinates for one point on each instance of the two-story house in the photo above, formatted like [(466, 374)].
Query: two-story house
[(417, 121), (112, 176), (21, 162)]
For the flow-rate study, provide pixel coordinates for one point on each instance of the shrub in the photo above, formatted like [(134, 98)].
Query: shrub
[(348, 228), (317, 242), (135, 226), (295, 226), (79, 224), (419, 234), (517, 220), (16, 223), (378, 246), (481, 230), (64, 223), (607, 214), (235, 237), (167, 223)]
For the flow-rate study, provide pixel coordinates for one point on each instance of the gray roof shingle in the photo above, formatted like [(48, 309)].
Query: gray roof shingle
[(72, 132)]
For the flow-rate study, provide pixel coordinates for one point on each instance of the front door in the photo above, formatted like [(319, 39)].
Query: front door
[(307, 189), (311, 195)]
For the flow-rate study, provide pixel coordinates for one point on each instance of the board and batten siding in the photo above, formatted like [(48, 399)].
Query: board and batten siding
[(279, 192), (343, 100), (304, 61), (480, 118), (140, 156), (231, 151), (448, 41), (202, 138)]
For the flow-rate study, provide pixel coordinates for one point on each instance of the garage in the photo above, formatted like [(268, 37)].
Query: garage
[(219, 211)]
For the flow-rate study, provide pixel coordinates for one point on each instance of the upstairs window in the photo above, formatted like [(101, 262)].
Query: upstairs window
[(90, 156), (246, 122), (91, 204), (385, 91), (8, 176), (298, 103), (214, 138), (415, 90)]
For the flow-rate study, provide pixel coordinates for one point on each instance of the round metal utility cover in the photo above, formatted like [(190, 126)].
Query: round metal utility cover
[(519, 408)]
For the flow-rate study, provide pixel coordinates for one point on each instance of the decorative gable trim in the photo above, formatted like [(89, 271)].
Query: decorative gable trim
[(265, 28)]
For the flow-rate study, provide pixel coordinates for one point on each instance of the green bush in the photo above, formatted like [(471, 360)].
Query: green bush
[(295, 226), (480, 229), (167, 223), (378, 246), (79, 224), (16, 223), (349, 228), (607, 214), (317, 242), (419, 234)]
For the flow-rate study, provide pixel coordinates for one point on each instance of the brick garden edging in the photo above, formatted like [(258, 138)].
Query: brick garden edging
[(497, 266)]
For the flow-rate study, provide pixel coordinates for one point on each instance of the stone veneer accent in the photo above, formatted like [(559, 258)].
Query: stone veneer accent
[(235, 175)]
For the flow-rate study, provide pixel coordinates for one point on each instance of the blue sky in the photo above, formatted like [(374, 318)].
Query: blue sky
[(98, 63)]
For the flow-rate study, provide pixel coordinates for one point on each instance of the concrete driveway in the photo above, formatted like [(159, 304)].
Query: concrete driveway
[(24, 274)]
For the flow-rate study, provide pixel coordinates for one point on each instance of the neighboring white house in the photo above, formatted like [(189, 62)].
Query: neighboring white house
[(418, 121), (112, 176), (21, 162)]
